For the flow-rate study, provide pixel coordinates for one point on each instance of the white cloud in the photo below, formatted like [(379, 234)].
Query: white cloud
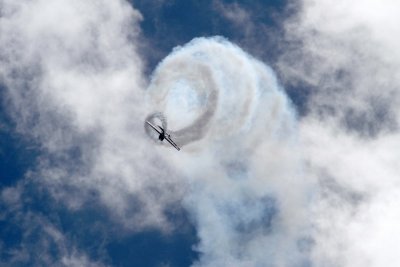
[(76, 85), (234, 13), (348, 56)]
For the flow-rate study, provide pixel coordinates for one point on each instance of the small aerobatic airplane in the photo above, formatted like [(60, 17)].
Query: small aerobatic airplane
[(163, 135)]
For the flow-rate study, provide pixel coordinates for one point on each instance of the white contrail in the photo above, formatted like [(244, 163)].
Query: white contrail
[(247, 196)]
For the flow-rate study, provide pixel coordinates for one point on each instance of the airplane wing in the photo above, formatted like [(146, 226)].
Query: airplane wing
[(168, 138), (154, 127)]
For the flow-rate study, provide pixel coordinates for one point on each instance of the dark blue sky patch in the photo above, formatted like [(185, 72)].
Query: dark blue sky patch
[(169, 24), (152, 248), (300, 95), (10, 236), (18, 153), (16, 157)]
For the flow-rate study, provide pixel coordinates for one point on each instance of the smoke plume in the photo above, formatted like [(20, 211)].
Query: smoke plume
[(247, 195)]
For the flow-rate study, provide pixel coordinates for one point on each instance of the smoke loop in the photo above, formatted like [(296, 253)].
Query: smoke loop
[(211, 89)]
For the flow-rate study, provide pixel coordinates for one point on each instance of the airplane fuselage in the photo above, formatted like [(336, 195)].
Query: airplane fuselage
[(161, 137)]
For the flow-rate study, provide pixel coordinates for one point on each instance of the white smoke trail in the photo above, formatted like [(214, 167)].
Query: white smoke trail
[(247, 196)]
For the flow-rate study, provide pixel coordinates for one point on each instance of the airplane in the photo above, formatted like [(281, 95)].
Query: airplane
[(163, 135)]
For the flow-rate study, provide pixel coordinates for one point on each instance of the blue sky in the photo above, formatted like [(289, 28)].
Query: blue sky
[(289, 139)]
